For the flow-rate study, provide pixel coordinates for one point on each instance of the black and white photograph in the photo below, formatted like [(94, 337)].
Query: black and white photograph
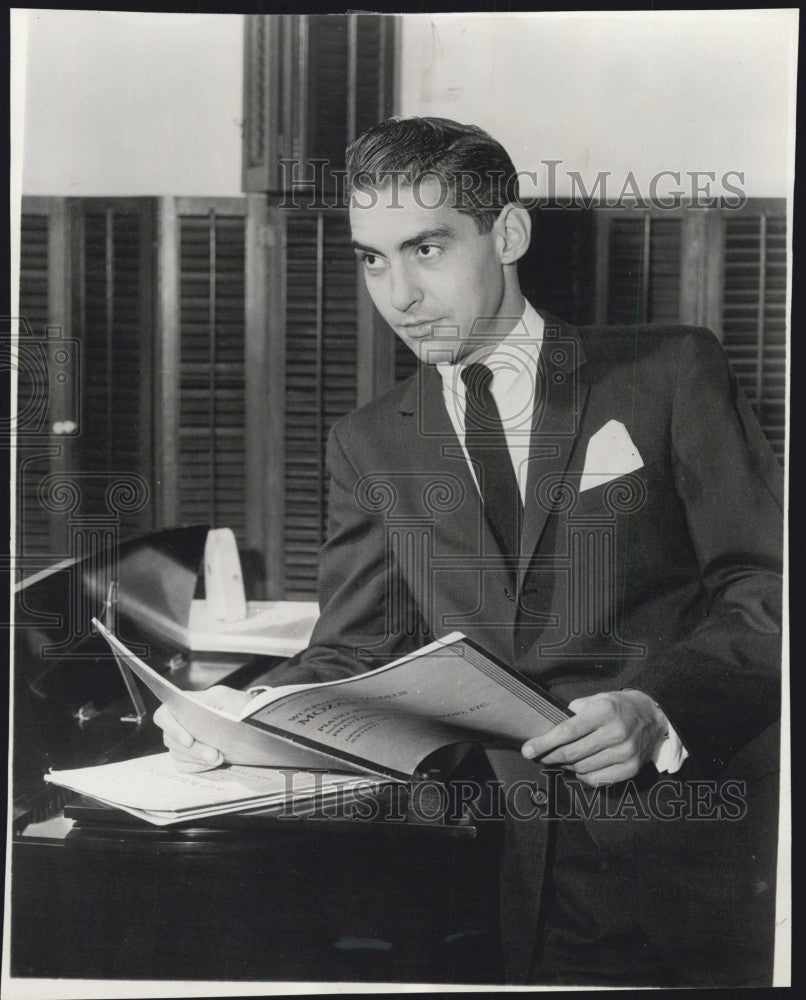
[(399, 436)]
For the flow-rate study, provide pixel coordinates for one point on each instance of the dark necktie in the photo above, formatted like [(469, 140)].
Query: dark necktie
[(487, 447)]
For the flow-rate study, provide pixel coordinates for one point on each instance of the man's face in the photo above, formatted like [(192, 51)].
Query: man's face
[(432, 275)]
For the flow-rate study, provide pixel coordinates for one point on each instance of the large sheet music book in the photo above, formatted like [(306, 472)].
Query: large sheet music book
[(384, 722)]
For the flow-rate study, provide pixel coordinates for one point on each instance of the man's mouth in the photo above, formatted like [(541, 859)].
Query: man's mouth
[(418, 328)]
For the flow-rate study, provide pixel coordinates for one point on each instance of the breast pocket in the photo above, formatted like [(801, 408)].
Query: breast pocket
[(627, 494)]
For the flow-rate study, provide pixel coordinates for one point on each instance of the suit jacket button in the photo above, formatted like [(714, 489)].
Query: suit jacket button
[(509, 595)]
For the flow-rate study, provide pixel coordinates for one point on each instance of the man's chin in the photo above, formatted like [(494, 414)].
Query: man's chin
[(437, 352)]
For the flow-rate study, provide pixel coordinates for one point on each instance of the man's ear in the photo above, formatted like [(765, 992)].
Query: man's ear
[(513, 231)]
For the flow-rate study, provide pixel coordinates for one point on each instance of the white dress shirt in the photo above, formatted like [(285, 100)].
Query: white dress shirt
[(513, 362)]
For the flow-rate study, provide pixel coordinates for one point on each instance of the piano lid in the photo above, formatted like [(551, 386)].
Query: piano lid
[(157, 575)]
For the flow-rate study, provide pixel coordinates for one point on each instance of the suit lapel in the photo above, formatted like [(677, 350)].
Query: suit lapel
[(559, 404)]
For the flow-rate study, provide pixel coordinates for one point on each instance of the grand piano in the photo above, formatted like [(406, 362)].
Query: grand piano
[(96, 893)]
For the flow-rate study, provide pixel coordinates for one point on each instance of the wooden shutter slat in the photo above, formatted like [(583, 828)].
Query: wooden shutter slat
[(754, 330), (320, 378), (33, 463), (211, 473), (112, 318)]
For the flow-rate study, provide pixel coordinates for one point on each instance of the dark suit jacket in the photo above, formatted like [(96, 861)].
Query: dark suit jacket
[(666, 579)]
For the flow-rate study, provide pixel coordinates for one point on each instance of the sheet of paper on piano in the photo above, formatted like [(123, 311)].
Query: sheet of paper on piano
[(152, 789)]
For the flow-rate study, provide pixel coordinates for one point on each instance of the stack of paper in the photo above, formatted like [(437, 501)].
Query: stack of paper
[(270, 628), (152, 789)]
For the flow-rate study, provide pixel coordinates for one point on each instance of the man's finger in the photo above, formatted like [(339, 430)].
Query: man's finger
[(565, 732), (602, 738), (198, 753), (225, 698), (168, 723), (609, 757), (190, 766), (610, 775)]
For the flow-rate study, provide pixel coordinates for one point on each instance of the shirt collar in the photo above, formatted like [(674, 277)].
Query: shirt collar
[(516, 354)]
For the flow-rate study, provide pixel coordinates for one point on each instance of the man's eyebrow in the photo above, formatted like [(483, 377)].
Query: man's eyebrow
[(363, 246), (440, 233), (425, 236)]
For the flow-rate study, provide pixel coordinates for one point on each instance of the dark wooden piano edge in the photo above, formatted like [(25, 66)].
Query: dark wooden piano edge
[(429, 891)]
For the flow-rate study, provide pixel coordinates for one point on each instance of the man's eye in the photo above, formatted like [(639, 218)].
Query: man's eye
[(428, 251), (371, 261)]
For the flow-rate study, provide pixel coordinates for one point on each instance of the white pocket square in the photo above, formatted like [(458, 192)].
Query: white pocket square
[(611, 453)]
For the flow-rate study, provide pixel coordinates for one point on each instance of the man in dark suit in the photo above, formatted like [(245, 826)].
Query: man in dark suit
[(599, 509)]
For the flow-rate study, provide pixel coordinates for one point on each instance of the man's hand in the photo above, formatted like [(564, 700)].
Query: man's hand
[(189, 755), (609, 738)]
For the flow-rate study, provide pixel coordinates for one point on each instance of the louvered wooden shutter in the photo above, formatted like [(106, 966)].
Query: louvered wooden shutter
[(31, 421), (626, 300), (664, 270), (114, 321), (311, 83), (374, 62), (643, 269), (557, 271), (327, 104), (754, 313), (320, 378), (211, 405), (86, 281)]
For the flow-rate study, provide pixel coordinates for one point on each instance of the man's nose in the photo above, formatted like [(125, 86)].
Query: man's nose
[(405, 290)]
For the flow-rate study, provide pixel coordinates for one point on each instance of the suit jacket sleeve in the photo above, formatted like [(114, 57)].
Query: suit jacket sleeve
[(368, 617), (721, 685)]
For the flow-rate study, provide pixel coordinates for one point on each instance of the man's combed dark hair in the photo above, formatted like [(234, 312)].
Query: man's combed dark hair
[(474, 171)]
